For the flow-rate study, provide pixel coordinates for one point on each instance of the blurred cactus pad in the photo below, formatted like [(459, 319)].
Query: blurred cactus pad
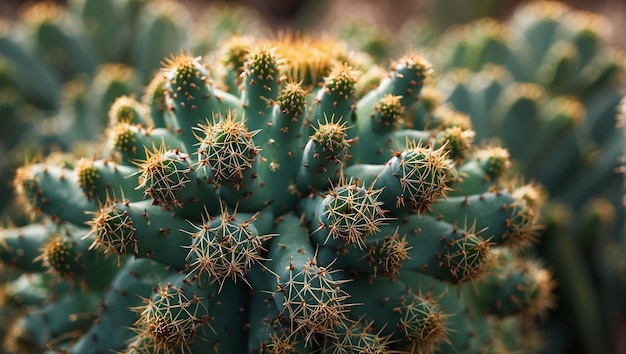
[(208, 188)]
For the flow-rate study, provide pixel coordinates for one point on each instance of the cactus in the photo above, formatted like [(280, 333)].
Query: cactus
[(277, 217), (547, 84), (261, 213)]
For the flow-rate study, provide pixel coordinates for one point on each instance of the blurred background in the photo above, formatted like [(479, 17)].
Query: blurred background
[(322, 14)]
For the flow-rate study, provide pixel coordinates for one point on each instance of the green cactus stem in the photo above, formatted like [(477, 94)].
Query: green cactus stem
[(154, 98), (160, 30), (172, 318), (279, 196), (96, 179), (409, 318), (406, 80), (191, 96), (126, 109), (281, 152), (225, 248), (49, 28), (130, 143), (412, 179), (54, 191), (261, 88), (269, 331), (170, 180), (67, 254), (347, 214), (481, 172), (323, 157), (515, 287), (446, 252), (134, 281), (140, 229), (19, 247), (336, 100), (54, 324), (501, 217), (308, 295), (358, 337)]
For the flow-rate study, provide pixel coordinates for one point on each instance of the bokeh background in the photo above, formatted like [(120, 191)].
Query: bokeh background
[(321, 14)]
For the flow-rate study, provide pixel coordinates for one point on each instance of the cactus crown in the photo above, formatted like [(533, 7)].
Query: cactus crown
[(314, 301), (424, 175), (126, 109), (162, 174), (292, 98), (361, 338), (446, 117), (184, 66), (262, 64), (387, 255), (113, 73), (341, 80), (470, 258), (123, 136), (170, 320), (390, 110), (566, 111), (42, 12), (87, 175), (457, 142), (331, 136), (496, 159), (225, 248), (60, 256), (113, 231), (351, 212), (226, 148), (237, 49), (422, 322)]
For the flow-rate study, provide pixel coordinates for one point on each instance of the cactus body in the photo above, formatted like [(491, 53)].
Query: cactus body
[(290, 207)]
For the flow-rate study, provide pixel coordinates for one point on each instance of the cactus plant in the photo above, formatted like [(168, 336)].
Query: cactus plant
[(281, 195), (302, 210), (547, 84)]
